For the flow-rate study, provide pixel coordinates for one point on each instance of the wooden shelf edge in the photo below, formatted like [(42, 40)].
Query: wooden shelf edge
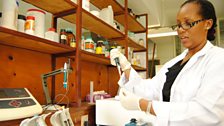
[(53, 7), (131, 43), (134, 25), (94, 58), (22, 40)]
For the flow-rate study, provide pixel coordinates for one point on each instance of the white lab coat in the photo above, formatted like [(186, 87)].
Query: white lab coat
[(197, 94)]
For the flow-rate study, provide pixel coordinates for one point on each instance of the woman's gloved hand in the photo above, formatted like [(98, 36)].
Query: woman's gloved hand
[(129, 100), (124, 63)]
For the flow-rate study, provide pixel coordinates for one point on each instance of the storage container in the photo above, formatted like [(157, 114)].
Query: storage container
[(89, 45), (39, 21), (85, 4), (30, 25), (52, 35), (107, 15), (21, 23), (9, 14), (0, 18)]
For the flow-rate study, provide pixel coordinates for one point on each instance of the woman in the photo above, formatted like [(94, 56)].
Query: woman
[(189, 89)]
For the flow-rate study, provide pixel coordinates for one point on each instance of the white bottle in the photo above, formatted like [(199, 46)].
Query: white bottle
[(111, 15), (107, 15), (85, 5), (51, 35), (10, 14), (21, 23), (0, 18)]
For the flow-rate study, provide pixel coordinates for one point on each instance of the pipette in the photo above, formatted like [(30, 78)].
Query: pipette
[(118, 65), (119, 71), (65, 76)]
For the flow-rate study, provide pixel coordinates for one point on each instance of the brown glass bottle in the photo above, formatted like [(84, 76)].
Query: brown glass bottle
[(63, 37)]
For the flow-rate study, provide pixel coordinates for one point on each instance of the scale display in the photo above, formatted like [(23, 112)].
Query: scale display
[(17, 103)]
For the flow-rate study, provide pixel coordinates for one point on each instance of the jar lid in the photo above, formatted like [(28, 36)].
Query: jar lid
[(21, 17), (36, 10), (51, 29), (30, 18)]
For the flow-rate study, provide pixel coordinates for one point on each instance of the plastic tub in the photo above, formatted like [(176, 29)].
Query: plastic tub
[(9, 14), (39, 21)]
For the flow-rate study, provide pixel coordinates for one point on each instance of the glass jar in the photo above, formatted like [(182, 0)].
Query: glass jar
[(73, 43), (63, 37), (70, 36)]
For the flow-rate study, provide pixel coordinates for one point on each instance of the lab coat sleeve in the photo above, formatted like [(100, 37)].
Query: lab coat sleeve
[(205, 109), (146, 88)]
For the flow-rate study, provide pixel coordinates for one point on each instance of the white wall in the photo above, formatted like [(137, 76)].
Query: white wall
[(165, 48)]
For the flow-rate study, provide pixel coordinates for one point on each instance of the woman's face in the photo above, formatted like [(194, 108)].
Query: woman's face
[(195, 37)]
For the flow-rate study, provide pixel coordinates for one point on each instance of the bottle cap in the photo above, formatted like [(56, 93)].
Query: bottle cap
[(69, 30), (30, 18), (63, 30), (21, 17)]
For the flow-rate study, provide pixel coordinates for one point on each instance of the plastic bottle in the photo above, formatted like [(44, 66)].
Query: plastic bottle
[(9, 14), (132, 122), (89, 45), (85, 5), (107, 49), (51, 35), (107, 15), (21, 23), (63, 37), (0, 18), (99, 47), (83, 43), (30, 25)]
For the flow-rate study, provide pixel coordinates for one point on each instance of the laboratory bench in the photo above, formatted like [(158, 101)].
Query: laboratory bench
[(75, 112)]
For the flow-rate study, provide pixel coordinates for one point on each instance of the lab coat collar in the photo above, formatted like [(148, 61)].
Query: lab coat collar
[(202, 52)]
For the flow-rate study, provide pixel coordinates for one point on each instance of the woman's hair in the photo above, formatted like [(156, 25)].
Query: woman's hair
[(207, 11)]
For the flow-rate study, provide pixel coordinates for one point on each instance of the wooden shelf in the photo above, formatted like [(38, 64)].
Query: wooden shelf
[(89, 21), (96, 25), (25, 41), (138, 68), (95, 58), (117, 8), (131, 43), (55, 6), (133, 24)]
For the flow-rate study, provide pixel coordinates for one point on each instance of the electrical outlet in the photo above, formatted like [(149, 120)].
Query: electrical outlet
[(83, 119)]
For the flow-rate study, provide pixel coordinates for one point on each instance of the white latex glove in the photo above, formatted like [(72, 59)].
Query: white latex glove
[(124, 63), (129, 100)]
